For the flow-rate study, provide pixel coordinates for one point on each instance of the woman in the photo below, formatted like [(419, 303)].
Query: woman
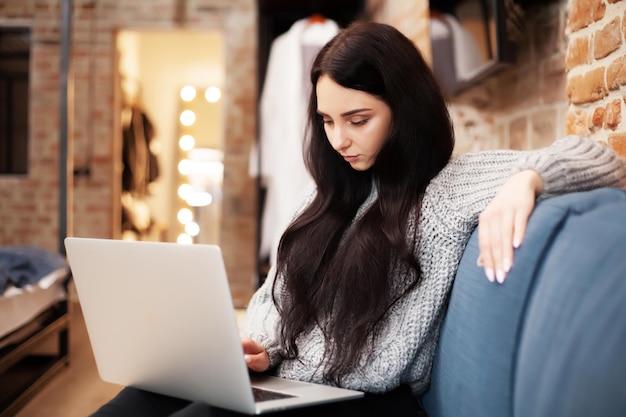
[(365, 268)]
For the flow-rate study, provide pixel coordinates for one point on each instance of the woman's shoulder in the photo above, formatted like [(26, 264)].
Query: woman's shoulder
[(464, 169), (458, 170), (465, 183), (476, 160)]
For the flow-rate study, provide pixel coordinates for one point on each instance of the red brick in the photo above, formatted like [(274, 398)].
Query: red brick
[(588, 87), (585, 12), (616, 73), (608, 39), (613, 114), (617, 142), (597, 119), (576, 122), (578, 53)]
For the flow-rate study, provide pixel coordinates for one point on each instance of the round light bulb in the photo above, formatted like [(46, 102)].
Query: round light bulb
[(184, 216), (192, 229), (184, 191), (212, 94), (186, 142), (187, 118), (185, 166), (187, 93)]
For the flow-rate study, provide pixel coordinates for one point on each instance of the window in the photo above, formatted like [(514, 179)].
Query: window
[(14, 92)]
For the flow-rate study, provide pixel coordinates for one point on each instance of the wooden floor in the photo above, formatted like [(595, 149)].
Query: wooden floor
[(78, 390)]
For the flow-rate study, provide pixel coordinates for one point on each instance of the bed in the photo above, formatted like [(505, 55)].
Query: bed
[(34, 322)]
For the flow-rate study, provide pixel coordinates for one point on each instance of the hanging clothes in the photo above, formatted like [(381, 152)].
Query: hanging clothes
[(283, 106), (141, 166)]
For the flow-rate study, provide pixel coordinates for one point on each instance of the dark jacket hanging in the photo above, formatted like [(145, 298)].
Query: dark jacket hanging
[(141, 165)]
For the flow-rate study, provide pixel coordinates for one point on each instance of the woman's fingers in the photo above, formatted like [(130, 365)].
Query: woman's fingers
[(502, 225), (484, 243), (497, 234), (521, 221), (255, 355), (500, 231), (503, 253)]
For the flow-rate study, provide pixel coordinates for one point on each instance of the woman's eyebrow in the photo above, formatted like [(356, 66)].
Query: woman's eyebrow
[(355, 111), (345, 114)]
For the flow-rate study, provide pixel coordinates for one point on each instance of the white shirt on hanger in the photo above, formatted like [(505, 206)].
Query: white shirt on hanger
[(284, 100)]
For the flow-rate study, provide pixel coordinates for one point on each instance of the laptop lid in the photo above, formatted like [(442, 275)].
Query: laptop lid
[(160, 317)]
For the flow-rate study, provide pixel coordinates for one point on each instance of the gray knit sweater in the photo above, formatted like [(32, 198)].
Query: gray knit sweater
[(449, 213)]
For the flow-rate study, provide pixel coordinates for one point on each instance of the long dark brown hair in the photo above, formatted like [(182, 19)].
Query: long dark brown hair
[(337, 268)]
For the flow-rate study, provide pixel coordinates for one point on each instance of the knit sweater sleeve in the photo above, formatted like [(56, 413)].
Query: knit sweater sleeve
[(573, 163), (262, 318)]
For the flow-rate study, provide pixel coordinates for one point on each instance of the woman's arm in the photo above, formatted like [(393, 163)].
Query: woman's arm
[(571, 164), (259, 334)]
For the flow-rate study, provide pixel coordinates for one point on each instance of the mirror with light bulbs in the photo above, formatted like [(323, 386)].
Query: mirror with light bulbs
[(155, 67), (200, 165)]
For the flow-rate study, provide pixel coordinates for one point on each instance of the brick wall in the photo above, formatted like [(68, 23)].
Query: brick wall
[(524, 106), (596, 71), (29, 205)]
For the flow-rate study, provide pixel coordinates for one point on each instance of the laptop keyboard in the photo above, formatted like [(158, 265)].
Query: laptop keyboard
[(261, 395)]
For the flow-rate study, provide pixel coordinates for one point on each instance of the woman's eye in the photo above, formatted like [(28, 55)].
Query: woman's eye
[(358, 122), (328, 122)]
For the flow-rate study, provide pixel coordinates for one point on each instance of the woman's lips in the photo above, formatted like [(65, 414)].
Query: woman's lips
[(350, 158)]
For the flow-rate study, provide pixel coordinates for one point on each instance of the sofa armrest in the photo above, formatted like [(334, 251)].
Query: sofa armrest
[(571, 358)]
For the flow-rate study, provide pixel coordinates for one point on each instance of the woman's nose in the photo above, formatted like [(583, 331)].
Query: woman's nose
[(338, 138)]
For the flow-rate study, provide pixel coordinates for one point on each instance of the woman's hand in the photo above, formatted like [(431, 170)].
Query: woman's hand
[(255, 355), (501, 227)]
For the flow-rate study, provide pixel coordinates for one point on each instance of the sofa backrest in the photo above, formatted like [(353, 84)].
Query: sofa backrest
[(513, 349)]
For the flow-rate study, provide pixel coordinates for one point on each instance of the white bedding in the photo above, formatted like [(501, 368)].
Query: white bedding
[(20, 305)]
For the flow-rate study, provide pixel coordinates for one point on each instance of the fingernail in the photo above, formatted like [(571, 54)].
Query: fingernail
[(500, 275), (516, 243), (247, 358), (489, 273), (506, 265), (479, 261)]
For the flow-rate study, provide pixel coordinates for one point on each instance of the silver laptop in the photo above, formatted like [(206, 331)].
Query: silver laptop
[(160, 317)]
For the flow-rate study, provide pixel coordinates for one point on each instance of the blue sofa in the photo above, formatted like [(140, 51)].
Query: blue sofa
[(551, 341)]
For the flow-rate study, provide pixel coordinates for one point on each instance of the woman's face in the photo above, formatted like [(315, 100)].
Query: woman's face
[(356, 123)]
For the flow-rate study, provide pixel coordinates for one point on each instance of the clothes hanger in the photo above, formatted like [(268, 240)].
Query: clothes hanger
[(316, 18)]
